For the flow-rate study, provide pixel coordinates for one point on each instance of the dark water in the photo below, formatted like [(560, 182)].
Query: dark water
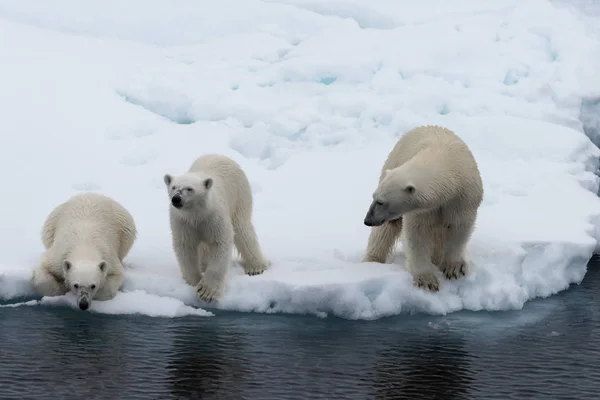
[(548, 350)]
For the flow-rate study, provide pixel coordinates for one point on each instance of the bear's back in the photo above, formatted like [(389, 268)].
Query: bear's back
[(92, 216), (449, 148)]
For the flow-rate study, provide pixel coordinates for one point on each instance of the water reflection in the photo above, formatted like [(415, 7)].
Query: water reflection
[(436, 367), (63, 352), (206, 362)]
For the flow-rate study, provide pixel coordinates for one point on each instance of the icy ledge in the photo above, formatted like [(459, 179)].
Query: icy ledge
[(537, 229)]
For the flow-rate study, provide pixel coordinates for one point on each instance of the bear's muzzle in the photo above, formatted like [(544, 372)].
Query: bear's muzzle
[(177, 201), (371, 219), (84, 304)]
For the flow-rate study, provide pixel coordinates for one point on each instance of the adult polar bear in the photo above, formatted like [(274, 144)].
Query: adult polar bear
[(429, 191), (210, 213), (86, 239)]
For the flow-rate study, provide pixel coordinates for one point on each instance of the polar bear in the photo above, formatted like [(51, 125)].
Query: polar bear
[(86, 239), (210, 212), (430, 190)]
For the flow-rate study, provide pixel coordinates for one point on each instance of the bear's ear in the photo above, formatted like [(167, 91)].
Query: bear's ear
[(410, 189), (66, 265), (208, 182), (102, 265), (168, 179)]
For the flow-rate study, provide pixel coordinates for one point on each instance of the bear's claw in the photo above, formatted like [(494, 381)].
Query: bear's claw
[(427, 281), (256, 269), (253, 272), (454, 270), (206, 293)]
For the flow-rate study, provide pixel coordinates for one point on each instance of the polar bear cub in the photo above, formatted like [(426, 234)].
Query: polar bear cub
[(210, 213), (86, 239), (429, 191)]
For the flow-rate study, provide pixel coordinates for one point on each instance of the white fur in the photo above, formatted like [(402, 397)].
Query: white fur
[(429, 191), (216, 216), (86, 239)]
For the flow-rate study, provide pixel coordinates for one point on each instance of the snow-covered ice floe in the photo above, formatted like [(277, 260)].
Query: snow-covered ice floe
[(309, 97)]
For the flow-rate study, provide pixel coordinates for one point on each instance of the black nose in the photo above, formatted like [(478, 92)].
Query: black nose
[(84, 305), (176, 201), (370, 221)]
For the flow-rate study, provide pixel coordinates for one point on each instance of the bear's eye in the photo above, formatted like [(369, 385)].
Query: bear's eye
[(188, 190), (76, 286), (379, 203), (93, 287)]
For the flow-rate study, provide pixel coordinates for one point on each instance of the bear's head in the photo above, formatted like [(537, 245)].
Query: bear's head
[(188, 192), (396, 194), (84, 278)]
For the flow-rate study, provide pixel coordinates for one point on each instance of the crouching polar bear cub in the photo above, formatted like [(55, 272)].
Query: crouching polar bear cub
[(210, 213), (429, 191), (86, 239)]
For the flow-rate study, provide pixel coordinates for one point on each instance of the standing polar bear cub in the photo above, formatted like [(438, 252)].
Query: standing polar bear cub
[(210, 213), (86, 239), (429, 191)]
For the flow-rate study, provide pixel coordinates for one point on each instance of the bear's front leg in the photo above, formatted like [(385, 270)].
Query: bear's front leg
[(217, 257), (454, 265), (110, 288), (185, 246), (382, 240), (45, 284), (418, 249)]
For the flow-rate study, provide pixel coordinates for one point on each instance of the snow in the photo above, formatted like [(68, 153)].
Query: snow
[(309, 97), (134, 302)]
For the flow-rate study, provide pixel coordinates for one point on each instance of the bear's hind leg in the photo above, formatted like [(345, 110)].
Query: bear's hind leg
[(110, 288), (382, 240), (246, 242), (454, 264), (49, 227), (45, 284), (128, 236)]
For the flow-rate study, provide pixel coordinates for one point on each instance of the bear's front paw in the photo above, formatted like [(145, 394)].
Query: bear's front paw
[(256, 269), (206, 292), (427, 280), (454, 270)]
